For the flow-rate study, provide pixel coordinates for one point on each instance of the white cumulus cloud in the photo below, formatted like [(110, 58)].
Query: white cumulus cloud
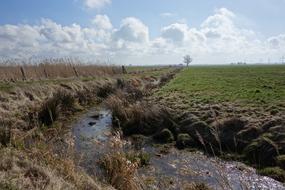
[(176, 32), (277, 42), (219, 39), (96, 3), (132, 30), (102, 22)]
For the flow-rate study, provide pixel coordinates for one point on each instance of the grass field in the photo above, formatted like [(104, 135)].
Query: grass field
[(245, 85)]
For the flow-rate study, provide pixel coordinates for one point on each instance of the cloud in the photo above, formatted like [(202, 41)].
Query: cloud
[(96, 4), (175, 32), (102, 22), (277, 42), (218, 39), (132, 30), (167, 15)]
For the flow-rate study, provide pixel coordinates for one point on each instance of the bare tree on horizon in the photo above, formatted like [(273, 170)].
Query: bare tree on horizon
[(187, 60)]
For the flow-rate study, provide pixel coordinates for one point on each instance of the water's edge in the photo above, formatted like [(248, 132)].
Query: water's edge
[(173, 170)]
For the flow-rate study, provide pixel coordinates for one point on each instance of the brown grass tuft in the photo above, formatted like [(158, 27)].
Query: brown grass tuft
[(120, 171)]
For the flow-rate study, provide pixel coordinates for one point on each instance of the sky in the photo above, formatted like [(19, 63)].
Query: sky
[(144, 32)]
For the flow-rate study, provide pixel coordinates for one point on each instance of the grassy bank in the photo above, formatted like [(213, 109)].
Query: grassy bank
[(240, 108), (217, 110), (245, 85), (36, 151)]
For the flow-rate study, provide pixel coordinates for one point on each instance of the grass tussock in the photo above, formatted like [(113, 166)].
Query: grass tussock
[(5, 135), (17, 172), (62, 101), (120, 171), (273, 172), (38, 165), (197, 186), (138, 117)]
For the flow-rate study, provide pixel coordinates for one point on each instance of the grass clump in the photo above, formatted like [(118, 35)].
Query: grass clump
[(136, 118), (273, 172), (61, 101), (105, 90), (164, 136), (5, 135), (197, 186), (143, 158), (7, 186), (120, 171), (184, 140), (281, 161), (262, 151)]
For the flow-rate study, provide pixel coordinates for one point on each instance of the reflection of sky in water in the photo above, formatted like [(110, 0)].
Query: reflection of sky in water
[(182, 167), (171, 170), (91, 134)]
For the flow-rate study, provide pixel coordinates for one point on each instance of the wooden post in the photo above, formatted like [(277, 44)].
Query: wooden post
[(75, 71), (45, 72), (23, 73), (124, 69)]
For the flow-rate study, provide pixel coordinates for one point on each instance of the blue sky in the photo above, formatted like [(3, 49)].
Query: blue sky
[(148, 28)]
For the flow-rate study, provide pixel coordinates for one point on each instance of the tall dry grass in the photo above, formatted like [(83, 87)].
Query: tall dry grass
[(15, 70), (120, 171)]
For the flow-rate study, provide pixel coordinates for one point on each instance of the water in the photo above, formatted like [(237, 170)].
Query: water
[(91, 134), (177, 168), (174, 170)]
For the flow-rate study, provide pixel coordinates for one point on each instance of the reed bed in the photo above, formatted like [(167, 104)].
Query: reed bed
[(14, 70)]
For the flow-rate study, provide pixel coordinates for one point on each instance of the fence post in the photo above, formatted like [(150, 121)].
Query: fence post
[(124, 69), (75, 71), (23, 73), (45, 72)]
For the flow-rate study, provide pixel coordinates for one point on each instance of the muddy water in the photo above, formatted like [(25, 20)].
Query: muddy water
[(173, 170)]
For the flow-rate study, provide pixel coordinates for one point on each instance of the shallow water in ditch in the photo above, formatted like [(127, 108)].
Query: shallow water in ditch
[(93, 131), (91, 134)]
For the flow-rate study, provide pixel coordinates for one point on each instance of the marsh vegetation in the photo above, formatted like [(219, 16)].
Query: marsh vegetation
[(155, 117)]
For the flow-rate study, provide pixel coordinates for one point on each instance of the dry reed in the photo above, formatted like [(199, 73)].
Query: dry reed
[(13, 70)]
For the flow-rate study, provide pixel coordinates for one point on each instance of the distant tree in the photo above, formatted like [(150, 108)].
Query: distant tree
[(187, 60)]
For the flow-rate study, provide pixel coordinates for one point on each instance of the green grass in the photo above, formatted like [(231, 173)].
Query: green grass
[(257, 85)]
